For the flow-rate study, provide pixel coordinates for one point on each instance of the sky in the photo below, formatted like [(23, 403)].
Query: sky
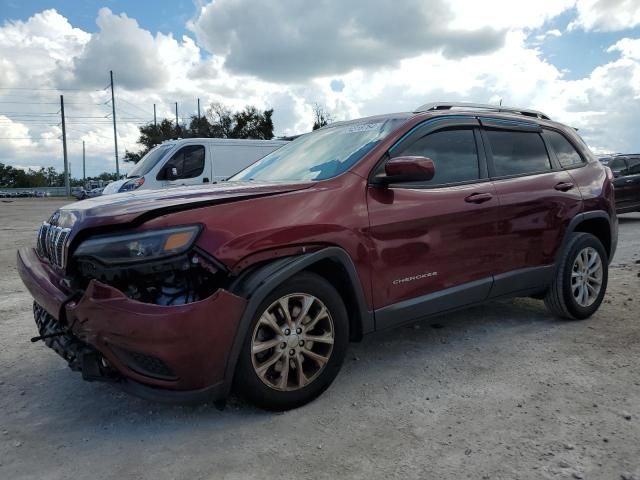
[(576, 60)]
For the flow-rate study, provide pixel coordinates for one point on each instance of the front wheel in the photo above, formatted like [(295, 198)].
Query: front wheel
[(295, 345), (580, 281)]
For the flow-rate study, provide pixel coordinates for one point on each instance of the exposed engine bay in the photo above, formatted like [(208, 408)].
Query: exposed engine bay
[(178, 280)]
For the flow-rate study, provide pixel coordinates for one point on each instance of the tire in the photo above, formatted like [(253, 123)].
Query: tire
[(272, 389), (563, 299)]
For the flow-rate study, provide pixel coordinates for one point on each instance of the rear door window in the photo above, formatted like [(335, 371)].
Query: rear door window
[(634, 165), (517, 153), (618, 165), (567, 155)]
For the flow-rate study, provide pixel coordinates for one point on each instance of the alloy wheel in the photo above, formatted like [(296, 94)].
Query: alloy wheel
[(292, 342), (586, 277)]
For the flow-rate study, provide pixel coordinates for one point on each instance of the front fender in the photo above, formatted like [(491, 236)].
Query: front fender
[(256, 283)]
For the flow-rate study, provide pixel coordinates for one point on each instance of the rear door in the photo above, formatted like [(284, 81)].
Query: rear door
[(623, 183), (433, 242), (537, 201), (633, 179)]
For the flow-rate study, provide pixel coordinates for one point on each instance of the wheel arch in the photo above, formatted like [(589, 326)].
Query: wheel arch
[(598, 223), (332, 263)]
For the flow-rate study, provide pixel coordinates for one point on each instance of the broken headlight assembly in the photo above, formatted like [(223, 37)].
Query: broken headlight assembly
[(161, 266), (141, 246)]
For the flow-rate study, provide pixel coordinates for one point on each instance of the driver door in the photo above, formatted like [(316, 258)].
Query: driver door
[(434, 242), (188, 166)]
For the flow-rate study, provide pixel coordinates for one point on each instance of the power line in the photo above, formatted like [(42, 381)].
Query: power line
[(25, 138), (51, 89), (51, 103), (134, 105)]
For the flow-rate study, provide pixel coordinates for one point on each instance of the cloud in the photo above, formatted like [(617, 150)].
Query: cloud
[(629, 47), (121, 45), (506, 14), (360, 66), (606, 15), (289, 40), (550, 33), (31, 50)]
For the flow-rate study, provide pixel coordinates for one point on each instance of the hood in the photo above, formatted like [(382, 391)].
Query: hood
[(114, 186), (127, 207)]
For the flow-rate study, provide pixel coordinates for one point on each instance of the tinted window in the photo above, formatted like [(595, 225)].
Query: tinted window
[(634, 166), (188, 162), (515, 153), (453, 153), (617, 164), (567, 155)]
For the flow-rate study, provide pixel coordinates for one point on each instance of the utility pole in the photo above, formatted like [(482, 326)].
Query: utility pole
[(198, 109), (84, 166), (155, 124), (67, 185), (115, 132), (177, 124)]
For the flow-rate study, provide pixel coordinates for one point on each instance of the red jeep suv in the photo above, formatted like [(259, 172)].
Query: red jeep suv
[(260, 282)]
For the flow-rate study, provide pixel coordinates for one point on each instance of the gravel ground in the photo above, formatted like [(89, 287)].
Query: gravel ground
[(498, 391)]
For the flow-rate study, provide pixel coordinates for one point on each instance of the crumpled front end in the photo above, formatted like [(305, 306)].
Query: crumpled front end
[(177, 347)]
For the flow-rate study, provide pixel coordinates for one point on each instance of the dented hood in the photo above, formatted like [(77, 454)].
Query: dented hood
[(127, 207)]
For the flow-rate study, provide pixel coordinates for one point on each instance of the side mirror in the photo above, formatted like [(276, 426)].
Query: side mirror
[(407, 169), (169, 173)]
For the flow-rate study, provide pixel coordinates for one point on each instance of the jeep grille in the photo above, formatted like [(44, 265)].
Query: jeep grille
[(52, 242)]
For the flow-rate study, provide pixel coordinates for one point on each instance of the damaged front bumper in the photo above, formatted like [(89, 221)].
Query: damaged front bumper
[(162, 352)]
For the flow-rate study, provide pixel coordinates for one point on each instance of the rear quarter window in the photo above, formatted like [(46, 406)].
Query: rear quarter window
[(517, 153), (565, 152)]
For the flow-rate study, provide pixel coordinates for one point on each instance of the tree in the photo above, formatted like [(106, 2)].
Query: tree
[(250, 123), (199, 127), (321, 116), (19, 178), (247, 123), (150, 136)]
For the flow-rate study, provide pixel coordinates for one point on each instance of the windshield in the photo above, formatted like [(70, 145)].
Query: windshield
[(149, 161), (322, 154)]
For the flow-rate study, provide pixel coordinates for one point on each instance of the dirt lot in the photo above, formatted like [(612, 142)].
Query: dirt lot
[(498, 391)]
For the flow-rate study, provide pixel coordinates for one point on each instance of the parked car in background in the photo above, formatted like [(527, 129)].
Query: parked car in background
[(192, 161), (260, 282), (94, 192), (626, 172)]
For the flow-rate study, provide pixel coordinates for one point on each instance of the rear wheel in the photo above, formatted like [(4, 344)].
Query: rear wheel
[(295, 345), (580, 281)]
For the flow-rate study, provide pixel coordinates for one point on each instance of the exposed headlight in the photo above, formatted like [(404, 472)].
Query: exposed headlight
[(132, 184), (141, 246)]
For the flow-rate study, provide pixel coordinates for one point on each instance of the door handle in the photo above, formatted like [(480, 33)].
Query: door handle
[(478, 198), (564, 186), (205, 180)]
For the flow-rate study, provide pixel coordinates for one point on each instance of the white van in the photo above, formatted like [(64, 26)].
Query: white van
[(192, 161)]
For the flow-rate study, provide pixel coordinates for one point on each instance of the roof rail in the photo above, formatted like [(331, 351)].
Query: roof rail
[(430, 107)]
